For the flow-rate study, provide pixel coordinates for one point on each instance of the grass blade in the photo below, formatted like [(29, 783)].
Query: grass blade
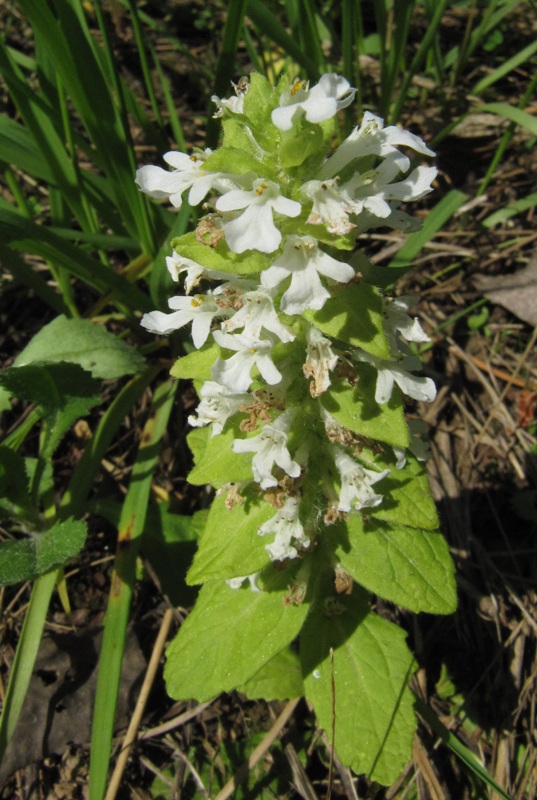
[(434, 221), (464, 755), (131, 527), (23, 664)]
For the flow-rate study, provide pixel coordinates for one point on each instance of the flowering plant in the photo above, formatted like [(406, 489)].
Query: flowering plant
[(302, 364)]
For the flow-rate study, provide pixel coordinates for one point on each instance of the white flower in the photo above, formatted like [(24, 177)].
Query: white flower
[(330, 205), (254, 229), (288, 528), (200, 310), (372, 139), (217, 405), (257, 312), (270, 447), (399, 372), (187, 173), (356, 483), (236, 583), (177, 264), (371, 191), (396, 318), (234, 372), (235, 105), (320, 360), (320, 102), (304, 262)]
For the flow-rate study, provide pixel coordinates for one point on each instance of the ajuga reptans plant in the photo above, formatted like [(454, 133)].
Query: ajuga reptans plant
[(303, 367)]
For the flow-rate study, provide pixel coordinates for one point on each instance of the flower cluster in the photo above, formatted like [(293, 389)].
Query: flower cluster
[(272, 300)]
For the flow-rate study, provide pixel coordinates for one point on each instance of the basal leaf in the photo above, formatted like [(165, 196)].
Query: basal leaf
[(79, 341), (26, 559), (410, 567), (356, 409), (354, 315), (279, 679), (229, 636), (374, 718), (65, 391), (230, 546)]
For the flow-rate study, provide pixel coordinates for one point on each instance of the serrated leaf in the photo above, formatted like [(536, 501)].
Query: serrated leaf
[(229, 636), (356, 409), (230, 546), (197, 364), (26, 559), (410, 567), (216, 463), (65, 392), (220, 257), (374, 718), (279, 679), (79, 341), (407, 497), (354, 315)]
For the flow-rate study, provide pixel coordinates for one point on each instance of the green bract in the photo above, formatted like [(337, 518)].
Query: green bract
[(302, 367)]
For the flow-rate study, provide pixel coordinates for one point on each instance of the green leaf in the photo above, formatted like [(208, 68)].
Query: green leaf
[(230, 546), (259, 101), (15, 498), (410, 567), (196, 364), (233, 159), (66, 392), (220, 256), (374, 718), (79, 341), (356, 409), (407, 497), (216, 463), (279, 679), (229, 636), (354, 315), (26, 559)]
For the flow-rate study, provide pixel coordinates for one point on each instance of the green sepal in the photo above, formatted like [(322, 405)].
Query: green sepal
[(234, 159), (230, 546), (407, 566), (346, 241), (197, 364), (354, 315), (259, 101), (296, 147), (356, 409), (374, 730), (220, 256), (229, 636), (215, 462)]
